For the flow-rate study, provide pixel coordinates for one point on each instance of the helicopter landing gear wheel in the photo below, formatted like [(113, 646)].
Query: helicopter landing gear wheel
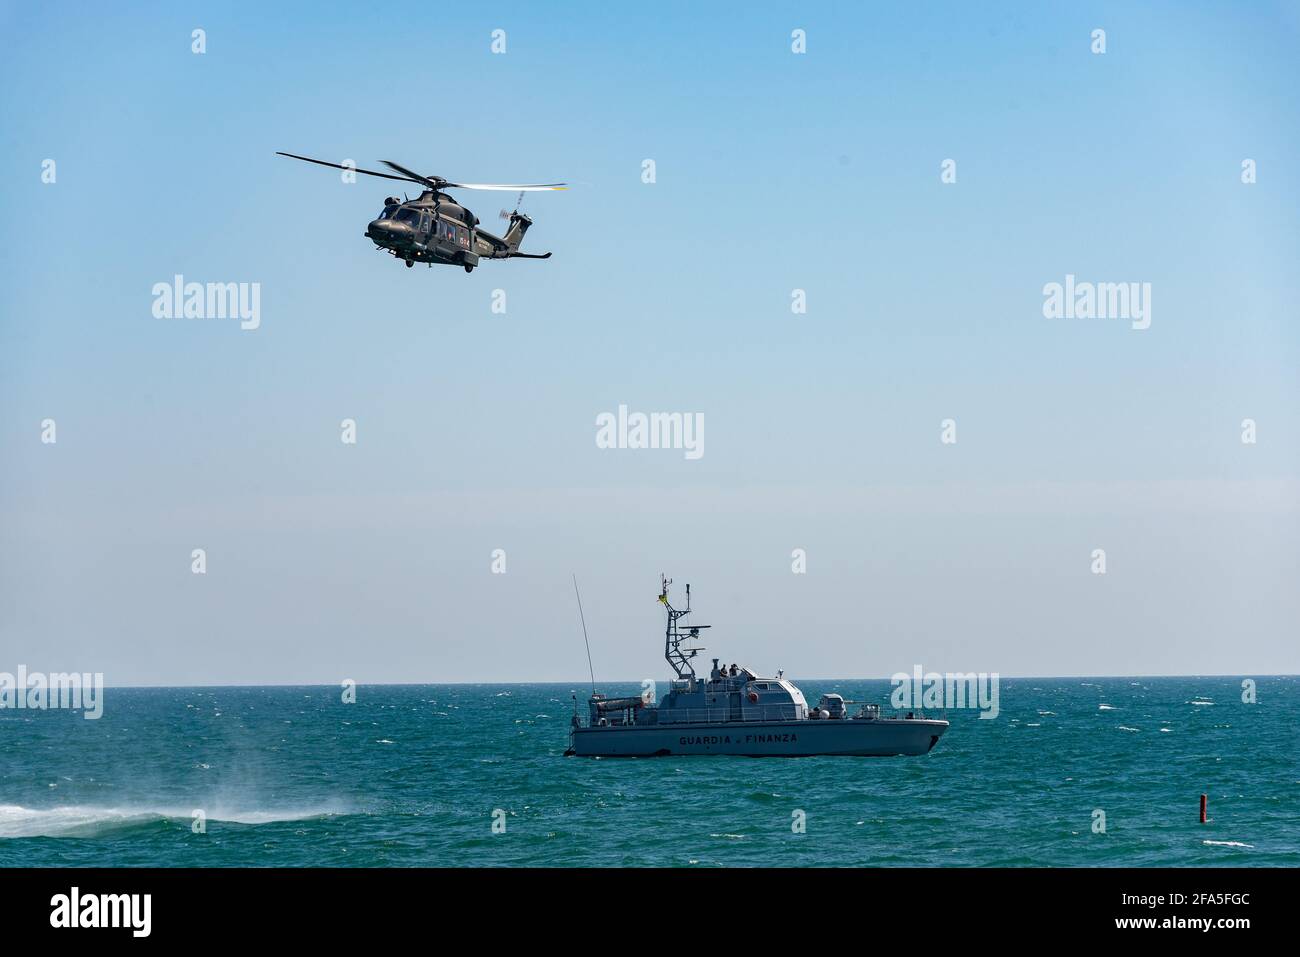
[(469, 268), (410, 263)]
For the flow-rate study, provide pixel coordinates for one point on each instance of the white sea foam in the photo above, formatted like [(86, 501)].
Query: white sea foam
[(88, 821), (1229, 844)]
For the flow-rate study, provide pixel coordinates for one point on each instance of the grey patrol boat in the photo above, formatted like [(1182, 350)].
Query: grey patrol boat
[(736, 711)]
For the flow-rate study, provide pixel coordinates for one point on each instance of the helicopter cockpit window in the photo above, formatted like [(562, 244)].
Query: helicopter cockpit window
[(388, 212), (408, 215)]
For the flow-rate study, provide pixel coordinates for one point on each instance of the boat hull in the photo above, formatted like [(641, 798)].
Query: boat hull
[(795, 739)]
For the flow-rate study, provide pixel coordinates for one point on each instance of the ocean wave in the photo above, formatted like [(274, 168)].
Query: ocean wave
[(86, 821)]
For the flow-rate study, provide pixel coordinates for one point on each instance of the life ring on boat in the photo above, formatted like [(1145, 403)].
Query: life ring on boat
[(753, 697)]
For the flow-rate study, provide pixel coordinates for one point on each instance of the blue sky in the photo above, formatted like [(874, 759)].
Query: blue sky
[(476, 431)]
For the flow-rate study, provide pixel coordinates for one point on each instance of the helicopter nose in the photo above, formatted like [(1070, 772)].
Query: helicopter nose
[(387, 231)]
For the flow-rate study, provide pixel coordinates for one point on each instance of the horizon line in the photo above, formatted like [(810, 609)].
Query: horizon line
[(633, 681)]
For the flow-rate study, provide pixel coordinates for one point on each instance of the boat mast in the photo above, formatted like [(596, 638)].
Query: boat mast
[(677, 656), (583, 619)]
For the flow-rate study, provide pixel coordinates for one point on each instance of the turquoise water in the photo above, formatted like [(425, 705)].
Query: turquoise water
[(411, 775)]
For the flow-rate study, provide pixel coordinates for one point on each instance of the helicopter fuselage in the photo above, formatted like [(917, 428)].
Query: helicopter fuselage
[(435, 229)]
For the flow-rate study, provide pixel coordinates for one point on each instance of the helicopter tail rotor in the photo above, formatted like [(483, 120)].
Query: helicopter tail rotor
[(518, 202)]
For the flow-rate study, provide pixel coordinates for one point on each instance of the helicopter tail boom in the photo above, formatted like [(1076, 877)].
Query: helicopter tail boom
[(519, 224)]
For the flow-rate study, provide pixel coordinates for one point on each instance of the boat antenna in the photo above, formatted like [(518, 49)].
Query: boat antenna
[(583, 619), (676, 655)]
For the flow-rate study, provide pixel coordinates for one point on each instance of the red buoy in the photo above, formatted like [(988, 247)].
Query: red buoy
[(1203, 803)]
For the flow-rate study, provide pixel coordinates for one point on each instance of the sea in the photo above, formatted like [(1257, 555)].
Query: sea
[(1073, 772)]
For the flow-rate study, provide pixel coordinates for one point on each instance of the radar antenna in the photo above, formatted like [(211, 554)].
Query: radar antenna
[(677, 656)]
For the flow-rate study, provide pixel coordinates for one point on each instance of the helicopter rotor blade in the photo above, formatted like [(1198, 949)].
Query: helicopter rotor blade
[(531, 188), (351, 169), (429, 182)]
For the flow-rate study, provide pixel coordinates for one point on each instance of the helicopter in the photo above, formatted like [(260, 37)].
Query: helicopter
[(435, 228)]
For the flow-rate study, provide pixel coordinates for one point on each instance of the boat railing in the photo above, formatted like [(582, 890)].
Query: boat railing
[(749, 714)]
